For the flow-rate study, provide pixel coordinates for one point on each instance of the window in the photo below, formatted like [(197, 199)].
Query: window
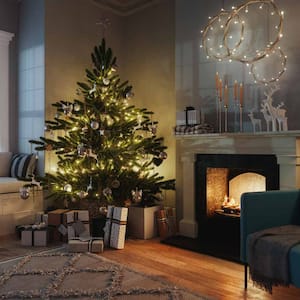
[(5, 38)]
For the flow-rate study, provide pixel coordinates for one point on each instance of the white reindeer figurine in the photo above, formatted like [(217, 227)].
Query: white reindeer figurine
[(276, 115), (256, 123)]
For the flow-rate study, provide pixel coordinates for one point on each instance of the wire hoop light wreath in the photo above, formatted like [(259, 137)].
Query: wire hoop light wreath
[(237, 44)]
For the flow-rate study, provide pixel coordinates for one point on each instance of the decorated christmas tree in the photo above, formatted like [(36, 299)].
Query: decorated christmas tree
[(106, 148)]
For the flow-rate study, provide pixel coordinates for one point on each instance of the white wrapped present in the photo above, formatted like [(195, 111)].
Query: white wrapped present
[(41, 217), (115, 227), (78, 223), (92, 244)]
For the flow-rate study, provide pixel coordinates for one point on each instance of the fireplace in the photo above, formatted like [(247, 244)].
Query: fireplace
[(279, 149), (222, 178)]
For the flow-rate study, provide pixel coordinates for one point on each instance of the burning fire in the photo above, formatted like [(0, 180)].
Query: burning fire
[(230, 205)]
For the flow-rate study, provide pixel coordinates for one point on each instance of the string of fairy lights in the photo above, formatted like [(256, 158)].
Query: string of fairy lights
[(227, 36)]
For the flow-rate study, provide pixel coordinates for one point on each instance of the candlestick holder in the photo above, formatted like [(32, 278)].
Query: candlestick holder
[(220, 115), (226, 117), (241, 118)]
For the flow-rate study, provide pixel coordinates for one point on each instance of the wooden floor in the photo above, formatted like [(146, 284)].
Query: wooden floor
[(211, 277), (208, 276)]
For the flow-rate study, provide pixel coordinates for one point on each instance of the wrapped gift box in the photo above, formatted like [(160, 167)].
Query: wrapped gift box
[(78, 223), (41, 217), (166, 220), (34, 237), (93, 244), (115, 227), (58, 223)]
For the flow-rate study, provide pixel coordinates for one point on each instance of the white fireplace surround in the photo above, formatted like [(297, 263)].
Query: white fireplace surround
[(285, 145)]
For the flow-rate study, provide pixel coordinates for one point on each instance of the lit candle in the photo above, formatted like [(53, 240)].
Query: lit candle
[(241, 94), (220, 89), (226, 95), (217, 81), (235, 87)]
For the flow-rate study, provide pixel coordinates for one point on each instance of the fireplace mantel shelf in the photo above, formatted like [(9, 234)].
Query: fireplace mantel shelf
[(264, 134)]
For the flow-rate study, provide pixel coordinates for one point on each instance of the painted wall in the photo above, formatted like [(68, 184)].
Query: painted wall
[(149, 67), (9, 15), (71, 32)]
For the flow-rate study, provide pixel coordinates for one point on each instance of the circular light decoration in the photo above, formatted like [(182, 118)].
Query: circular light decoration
[(213, 35), (270, 68), (263, 29)]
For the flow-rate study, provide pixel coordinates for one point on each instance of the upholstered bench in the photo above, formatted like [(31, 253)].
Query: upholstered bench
[(15, 171)]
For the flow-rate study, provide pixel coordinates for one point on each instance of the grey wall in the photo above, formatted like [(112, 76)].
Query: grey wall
[(195, 74), (9, 16)]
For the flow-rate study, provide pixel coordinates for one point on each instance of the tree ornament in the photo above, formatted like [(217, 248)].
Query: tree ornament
[(129, 95), (102, 131), (137, 195), (68, 188), (115, 184), (90, 153), (84, 129), (103, 210), (77, 107), (24, 193), (107, 192), (81, 150), (67, 109), (153, 129), (94, 89), (46, 127), (94, 125), (163, 155), (49, 147), (90, 186), (82, 194), (106, 81)]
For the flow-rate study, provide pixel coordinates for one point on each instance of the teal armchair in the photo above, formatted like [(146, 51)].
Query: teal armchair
[(262, 210)]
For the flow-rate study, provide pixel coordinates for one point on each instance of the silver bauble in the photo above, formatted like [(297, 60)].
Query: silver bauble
[(107, 192), (24, 193), (94, 125), (163, 155), (77, 107), (68, 188), (106, 81)]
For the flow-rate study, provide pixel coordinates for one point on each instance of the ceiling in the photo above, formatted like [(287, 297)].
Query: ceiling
[(124, 7)]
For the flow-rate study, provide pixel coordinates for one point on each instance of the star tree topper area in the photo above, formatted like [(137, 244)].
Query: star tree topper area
[(106, 149)]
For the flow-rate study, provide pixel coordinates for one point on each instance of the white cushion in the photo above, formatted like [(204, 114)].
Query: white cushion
[(11, 185), (5, 160)]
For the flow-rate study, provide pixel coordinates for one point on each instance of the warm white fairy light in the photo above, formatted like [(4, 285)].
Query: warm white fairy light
[(233, 18)]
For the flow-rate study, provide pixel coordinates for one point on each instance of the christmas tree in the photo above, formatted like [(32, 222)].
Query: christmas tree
[(106, 148)]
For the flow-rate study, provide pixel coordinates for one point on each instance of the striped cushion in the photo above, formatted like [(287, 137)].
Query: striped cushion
[(22, 165)]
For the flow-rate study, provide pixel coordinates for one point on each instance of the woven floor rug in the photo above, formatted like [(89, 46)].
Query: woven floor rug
[(62, 275)]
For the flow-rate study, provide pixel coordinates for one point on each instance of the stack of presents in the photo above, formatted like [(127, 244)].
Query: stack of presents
[(72, 227)]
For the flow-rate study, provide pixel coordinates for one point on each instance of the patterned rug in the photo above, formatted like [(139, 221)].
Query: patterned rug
[(61, 275)]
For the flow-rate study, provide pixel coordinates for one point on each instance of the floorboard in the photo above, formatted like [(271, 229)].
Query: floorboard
[(203, 274), (209, 276)]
